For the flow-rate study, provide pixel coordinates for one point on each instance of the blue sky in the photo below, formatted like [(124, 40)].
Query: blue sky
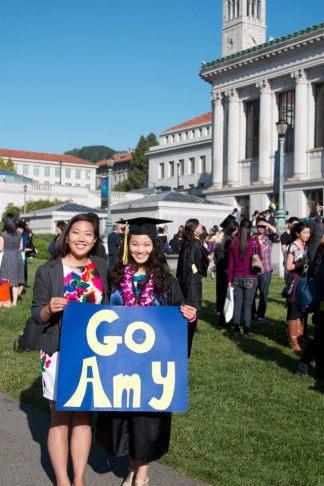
[(80, 72)]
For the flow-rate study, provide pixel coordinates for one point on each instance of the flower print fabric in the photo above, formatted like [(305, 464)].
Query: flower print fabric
[(83, 284)]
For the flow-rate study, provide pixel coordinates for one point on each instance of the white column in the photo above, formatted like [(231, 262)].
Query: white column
[(217, 139), (265, 174), (233, 137), (300, 135)]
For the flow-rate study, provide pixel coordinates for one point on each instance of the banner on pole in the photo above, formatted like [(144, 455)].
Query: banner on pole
[(122, 359)]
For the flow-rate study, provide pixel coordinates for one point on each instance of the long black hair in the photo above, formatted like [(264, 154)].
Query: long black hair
[(10, 224), (190, 228), (298, 228), (229, 229), (156, 265), (62, 246), (244, 234)]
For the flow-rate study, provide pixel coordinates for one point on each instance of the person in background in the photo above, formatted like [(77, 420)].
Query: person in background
[(255, 216), (166, 231), (221, 263), (286, 239), (236, 215), (58, 229), (317, 229), (296, 264), (240, 275), (21, 228), (163, 238), (267, 234), (144, 436), (115, 240), (192, 266), (176, 241), (30, 248), (12, 267), (73, 274)]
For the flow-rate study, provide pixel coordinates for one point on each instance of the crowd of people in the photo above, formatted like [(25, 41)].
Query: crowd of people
[(238, 253)]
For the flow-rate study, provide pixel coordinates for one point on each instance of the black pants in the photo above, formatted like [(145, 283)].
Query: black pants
[(315, 348), (244, 292)]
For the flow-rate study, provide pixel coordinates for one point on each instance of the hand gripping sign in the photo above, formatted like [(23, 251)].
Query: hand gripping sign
[(122, 359)]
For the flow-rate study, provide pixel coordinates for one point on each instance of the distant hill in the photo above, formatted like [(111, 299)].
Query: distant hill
[(93, 153)]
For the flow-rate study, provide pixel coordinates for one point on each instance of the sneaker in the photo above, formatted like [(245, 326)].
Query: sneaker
[(260, 319), (246, 332)]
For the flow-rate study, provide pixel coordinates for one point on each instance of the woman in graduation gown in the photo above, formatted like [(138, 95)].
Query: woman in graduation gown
[(192, 266), (142, 278)]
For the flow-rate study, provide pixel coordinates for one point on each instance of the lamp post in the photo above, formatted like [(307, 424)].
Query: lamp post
[(282, 127), (109, 223), (25, 203)]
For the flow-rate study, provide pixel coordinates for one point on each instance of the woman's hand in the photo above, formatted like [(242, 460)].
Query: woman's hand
[(57, 304), (188, 312)]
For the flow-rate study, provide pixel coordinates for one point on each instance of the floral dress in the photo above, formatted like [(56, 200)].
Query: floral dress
[(81, 284)]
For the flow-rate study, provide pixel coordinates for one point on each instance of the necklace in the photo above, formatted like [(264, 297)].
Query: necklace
[(146, 297)]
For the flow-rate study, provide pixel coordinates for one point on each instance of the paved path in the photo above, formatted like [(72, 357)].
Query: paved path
[(24, 460)]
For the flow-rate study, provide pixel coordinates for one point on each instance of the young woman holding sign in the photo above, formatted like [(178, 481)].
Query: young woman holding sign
[(142, 278), (73, 274)]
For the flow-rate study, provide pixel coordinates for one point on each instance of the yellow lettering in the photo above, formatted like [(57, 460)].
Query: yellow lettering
[(127, 383), (147, 344), (100, 399), (168, 383), (110, 342)]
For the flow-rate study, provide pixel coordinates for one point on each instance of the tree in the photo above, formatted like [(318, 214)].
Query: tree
[(7, 164), (31, 206), (93, 153), (138, 176)]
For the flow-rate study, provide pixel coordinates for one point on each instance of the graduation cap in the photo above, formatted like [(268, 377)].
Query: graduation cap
[(141, 226), (227, 220)]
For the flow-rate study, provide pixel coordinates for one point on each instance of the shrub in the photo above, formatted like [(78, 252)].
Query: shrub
[(41, 242)]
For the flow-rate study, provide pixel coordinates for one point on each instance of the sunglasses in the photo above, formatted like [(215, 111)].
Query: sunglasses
[(261, 226)]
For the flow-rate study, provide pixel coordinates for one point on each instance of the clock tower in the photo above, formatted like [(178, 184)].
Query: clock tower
[(243, 25)]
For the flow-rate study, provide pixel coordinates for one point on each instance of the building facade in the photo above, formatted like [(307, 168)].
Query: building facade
[(52, 169), (121, 165), (183, 157), (251, 90)]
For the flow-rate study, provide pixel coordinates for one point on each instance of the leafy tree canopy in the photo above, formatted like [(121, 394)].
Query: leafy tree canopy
[(7, 164), (31, 206), (138, 176), (93, 153)]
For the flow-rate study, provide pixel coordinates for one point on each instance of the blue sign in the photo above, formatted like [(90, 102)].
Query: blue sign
[(104, 187), (122, 359)]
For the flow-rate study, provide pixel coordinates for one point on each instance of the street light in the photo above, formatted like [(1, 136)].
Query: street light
[(25, 203), (282, 127), (109, 223)]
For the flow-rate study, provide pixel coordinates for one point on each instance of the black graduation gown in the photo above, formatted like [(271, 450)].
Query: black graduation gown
[(114, 242), (143, 436), (192, 253)]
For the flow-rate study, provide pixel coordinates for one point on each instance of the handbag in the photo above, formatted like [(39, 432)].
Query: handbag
[(229, 304), (256, 264), (5, 297), (286, 291)]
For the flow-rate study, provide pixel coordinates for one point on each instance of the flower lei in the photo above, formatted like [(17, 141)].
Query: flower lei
[(127, 287)]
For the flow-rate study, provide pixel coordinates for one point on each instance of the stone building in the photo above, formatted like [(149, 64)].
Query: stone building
[(121, 165), (52, 169), (183, 157), (253, 85)]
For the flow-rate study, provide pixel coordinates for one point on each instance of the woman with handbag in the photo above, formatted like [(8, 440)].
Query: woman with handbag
[(192, 266), (73, 274), (296, 266), (245, 261)]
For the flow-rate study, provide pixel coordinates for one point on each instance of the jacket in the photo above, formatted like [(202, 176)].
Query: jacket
[(49, 282)]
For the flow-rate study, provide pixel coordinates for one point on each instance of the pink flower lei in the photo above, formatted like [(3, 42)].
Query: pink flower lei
[(127, 286)]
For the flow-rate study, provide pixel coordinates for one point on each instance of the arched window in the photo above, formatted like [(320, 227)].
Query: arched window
[(229, 8), (259, 10)]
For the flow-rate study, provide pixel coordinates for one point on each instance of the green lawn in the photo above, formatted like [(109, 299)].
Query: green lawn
[(250, 421)]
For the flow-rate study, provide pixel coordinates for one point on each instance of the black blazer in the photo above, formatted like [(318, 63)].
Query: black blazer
[(49, 282)]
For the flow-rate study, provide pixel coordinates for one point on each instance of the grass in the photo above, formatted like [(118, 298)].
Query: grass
[(250, 422)]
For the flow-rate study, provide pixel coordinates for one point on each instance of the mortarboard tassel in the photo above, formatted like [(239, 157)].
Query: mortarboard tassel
[(125, 249)]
